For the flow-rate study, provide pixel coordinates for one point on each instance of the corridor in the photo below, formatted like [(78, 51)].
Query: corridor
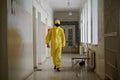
[(91, 28), (67, 72)]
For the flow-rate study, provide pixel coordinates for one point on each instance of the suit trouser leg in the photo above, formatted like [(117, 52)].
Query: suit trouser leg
[(57, 58)]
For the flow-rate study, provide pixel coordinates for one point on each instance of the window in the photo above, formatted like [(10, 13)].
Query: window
[(70, 37), (89, 22), (94, 21)]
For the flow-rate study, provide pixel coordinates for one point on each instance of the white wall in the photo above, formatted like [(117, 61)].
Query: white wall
[(20, 37), (20, 40), (45, 10), (44, 20), (45, 5)]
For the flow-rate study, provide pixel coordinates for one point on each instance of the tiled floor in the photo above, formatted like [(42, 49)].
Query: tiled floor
[(67, 72)]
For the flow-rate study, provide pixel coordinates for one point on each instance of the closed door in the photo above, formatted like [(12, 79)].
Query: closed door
[(69, 31), (112, 39)]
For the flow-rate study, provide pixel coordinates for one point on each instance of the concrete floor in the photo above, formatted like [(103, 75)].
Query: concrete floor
[(67, 72)]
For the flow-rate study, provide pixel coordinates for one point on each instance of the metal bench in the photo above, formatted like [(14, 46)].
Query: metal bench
[(82, 57)]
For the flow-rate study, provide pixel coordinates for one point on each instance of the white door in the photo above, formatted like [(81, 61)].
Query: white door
[(70, 38)]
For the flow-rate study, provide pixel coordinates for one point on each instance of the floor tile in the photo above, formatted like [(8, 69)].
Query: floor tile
[(67, 72)]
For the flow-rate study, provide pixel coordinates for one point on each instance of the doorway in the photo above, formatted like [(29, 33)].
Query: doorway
[(69, 31)]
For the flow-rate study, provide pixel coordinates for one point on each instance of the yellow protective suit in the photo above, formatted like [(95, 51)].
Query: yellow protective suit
[(57, 38)]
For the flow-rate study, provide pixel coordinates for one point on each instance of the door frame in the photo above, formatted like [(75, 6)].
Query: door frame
[(34, 37), (77, 32), (67, 47)]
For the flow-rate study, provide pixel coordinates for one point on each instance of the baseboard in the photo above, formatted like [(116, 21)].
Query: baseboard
[(26, 77), (36, 68), (40, 63)]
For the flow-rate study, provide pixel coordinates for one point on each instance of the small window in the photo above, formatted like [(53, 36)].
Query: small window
[(70, 37)]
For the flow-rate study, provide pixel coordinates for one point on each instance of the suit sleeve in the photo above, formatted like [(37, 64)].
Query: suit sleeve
[(63, 38), (48, 37)]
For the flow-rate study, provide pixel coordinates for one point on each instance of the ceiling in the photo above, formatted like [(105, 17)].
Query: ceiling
[(64, 5)]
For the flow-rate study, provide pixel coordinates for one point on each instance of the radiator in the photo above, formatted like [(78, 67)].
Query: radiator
[(81, 50)]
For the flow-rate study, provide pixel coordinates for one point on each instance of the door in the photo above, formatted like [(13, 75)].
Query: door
[(112, 39), (69, 31)]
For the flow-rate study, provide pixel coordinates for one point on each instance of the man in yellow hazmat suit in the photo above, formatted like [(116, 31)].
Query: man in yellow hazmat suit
[(57, 38)]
